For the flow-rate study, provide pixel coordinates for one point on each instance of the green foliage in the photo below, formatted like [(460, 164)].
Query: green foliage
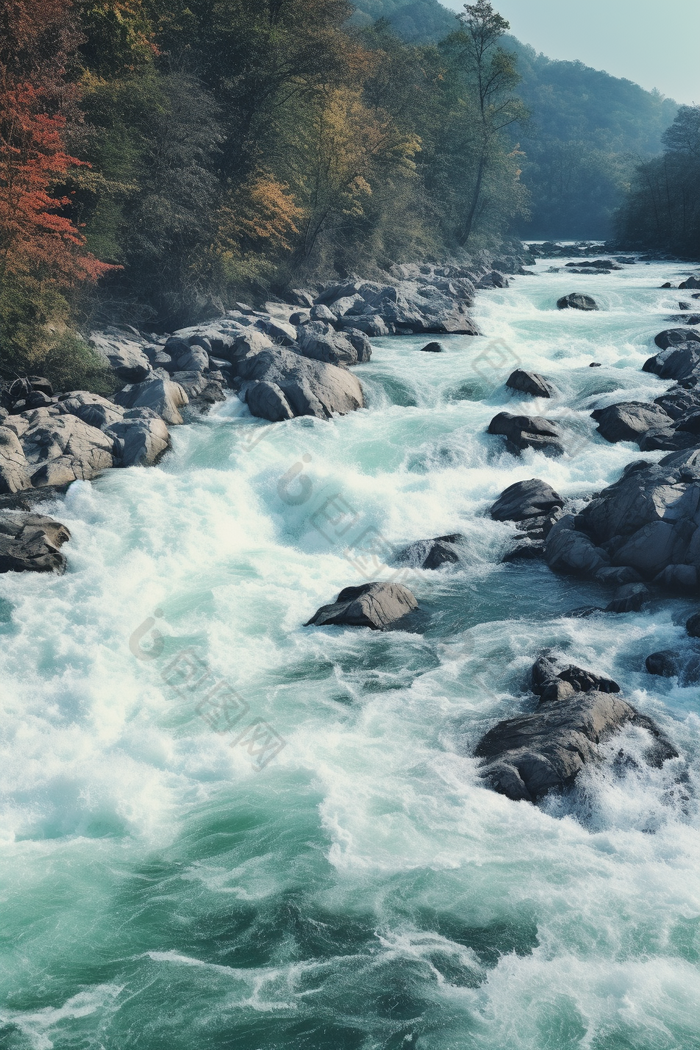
[(662, 208)]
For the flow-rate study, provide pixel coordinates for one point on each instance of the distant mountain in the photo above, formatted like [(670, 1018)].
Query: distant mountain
[(587, 131), (419, 21)]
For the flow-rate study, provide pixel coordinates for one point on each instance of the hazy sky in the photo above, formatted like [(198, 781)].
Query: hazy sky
[(653, 42)]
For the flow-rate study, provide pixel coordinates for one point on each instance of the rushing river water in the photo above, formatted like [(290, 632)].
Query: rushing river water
[(337, 877)]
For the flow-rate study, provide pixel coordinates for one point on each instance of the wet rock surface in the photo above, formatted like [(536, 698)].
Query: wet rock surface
[(374, 605), (31, 543), (530, 755)]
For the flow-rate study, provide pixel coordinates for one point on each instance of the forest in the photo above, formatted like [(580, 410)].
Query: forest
[(159, 160), (662, 209)]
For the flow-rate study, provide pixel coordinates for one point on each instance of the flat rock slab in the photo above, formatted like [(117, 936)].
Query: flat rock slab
[(31, 542), (374, 605), (575, 301), (530, 755)]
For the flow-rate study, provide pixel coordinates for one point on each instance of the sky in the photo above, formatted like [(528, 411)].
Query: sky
[(656, 43)]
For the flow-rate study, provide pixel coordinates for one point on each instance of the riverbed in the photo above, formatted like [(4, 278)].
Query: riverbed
[(223, 829)]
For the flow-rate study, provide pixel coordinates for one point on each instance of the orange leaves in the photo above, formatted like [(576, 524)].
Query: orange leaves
[(37, 237)]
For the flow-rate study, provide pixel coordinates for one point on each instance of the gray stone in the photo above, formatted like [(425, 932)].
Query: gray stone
[(526, 499), (693, 625), (62, 448), (629, 598), (280, 332), (573, 552), (94, 410), (431, 554), (298, 386), (433, 348), (123, 352), (629, 420), (675, 337), (164, 396), (664, 663), (524, 432), (139, 442), (14, 469), (576, 301), (30, 543), (374, 605), (530, 383), (530, 755), (678, 361)]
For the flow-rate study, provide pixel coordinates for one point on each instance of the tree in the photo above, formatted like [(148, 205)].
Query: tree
[(492, 74), (42, 252)]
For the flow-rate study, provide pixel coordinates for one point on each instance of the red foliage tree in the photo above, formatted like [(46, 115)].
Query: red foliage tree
[(38, 239)]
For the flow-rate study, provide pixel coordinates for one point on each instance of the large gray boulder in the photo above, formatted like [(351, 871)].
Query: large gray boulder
[(374, 605), (677, 361), (523, 432), (530, 383), (630, 420), (92, 409), (530, 755), (576, 301), (280, 384), (676, 336), (123, 351), (14, 468), (163, 396), (334, 348), (139, 441), (526, 499), (30, 543), (573, 552), (61, 449), (552, 680)]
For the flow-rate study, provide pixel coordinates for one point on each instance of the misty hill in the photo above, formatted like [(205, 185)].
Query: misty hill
[(588, 130)]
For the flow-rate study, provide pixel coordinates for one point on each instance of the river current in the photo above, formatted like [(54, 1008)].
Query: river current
[(221, 829)]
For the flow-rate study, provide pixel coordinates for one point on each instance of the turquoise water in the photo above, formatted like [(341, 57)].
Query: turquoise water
[(337, 877)]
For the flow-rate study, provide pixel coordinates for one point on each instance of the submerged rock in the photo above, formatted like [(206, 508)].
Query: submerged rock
[(31, 542), (433, 348), (374, 605), (576, 301)]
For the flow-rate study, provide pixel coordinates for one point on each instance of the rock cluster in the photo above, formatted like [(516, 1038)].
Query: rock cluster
[(528, 756)]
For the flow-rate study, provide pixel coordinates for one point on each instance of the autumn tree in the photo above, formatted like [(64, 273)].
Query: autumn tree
[(42, 252)]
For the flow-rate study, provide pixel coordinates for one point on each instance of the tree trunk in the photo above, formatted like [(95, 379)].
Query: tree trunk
[(475, 201)]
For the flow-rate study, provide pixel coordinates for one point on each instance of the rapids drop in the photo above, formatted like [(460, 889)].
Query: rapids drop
[(167, 885)]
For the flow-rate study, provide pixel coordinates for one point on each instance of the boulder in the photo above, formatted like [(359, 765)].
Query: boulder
[(374, 605), (692, 282), (678, 361), (334, 348), (664, 663), (62, 448), (433, 348), (431, 554), (30, 543), (371, 324), (321, 313), (123, 352), (494, 279), (526, 499), (629, 598), (280, 384), (139, 441), (629, 420), (693, 625), (92, 409), (675, 336), (570, 551), (14, 469), (530, 383), (576, 301), (163, 396), (530, 755), (523, 432), (280, 332), (548, 676)]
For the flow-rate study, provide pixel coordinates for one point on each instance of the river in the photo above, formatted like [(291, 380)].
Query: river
[(221, 829)]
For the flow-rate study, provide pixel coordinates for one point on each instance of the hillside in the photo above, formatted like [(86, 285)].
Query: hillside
[(586, 133)]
